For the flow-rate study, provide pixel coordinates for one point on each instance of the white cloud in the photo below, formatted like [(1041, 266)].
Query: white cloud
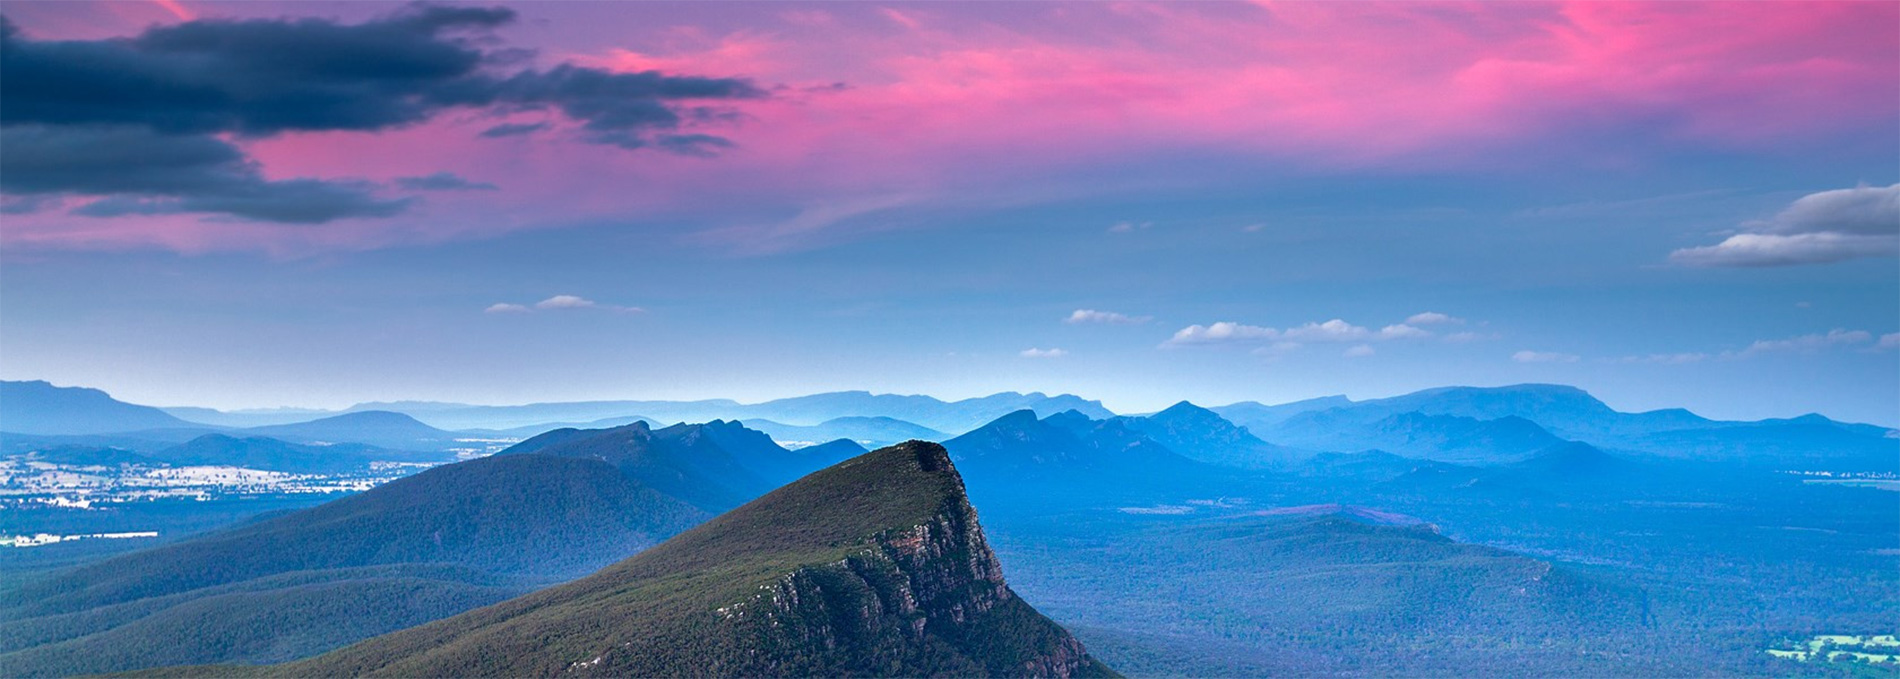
[(1254, 228), (565, 302), (1094, 316), (1665, 359), (1528, 356), (560, 302), (1335, 330), (1463, 337), (1129, 227), (1890, 341), (1433, 318), (1222, 332), (1757, 250), (1033, 352), (1806, 344), (1403, 331), (1829, 226), (1358, 350)]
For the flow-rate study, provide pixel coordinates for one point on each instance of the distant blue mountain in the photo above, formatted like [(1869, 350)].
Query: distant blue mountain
[(869, 431), (258, 452), (714, 466), (816, 409), (1066, 453), (246, 418), (1203, 435), (376, 428), (1490, 425), (1452, 438), (1260, 416), (37, 407)]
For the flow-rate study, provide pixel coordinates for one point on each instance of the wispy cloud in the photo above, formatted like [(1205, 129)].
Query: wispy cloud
[(559, 303), (443, 181), (1806, 344), (1034, 352), (1433, 318), (1358, 351), (1663, 359), (1528, 356), (1829, 226), (1081, 316), (1129, 227), (1220, 333), (1335, 331)]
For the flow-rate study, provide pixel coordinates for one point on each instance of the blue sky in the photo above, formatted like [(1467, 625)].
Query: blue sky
[(776, 268)]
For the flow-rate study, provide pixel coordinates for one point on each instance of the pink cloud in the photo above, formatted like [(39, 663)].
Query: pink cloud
[(992, 104)]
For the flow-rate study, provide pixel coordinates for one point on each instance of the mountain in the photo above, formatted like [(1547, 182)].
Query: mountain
[(714, 466), (1066, 454), (1453, 438), (412, 550), (866, 430), (832, 452), (374, 427), (1788, 444), (246, 418), (1491, 425), (1260, 416), (1203, 435), (37, 407), (539, 429), (875, 566), (259, 452), (1573, 460), (1568, 467)]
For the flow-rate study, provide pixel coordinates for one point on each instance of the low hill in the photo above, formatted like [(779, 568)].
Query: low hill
[(260, 452), (37, 407), (376, 428), (875, 566), (714, 466), (1320, 590), (499, 522)]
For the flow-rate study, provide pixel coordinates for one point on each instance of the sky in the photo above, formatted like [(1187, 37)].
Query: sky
[(258, 204)]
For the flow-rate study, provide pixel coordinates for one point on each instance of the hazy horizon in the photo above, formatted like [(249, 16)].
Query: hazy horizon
[(1118, 408)]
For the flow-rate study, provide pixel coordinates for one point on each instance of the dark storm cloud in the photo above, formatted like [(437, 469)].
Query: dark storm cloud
[(143, 172), (135, 117), (443, 181), (514, 129)]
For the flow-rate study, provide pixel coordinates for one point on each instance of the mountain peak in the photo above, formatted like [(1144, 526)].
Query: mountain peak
[(875, 565), (1186, 409)]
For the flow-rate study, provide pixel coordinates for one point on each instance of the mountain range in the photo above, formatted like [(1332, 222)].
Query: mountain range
[(816, 409), (1469, 425)]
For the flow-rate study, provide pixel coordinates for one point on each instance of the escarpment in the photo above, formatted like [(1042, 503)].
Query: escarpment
[(875, 566)]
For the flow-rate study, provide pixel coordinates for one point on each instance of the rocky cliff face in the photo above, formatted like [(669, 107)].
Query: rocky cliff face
[(930, 598)]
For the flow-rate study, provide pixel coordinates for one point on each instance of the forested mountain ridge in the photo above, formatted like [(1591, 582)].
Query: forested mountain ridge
[(874, 566)]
